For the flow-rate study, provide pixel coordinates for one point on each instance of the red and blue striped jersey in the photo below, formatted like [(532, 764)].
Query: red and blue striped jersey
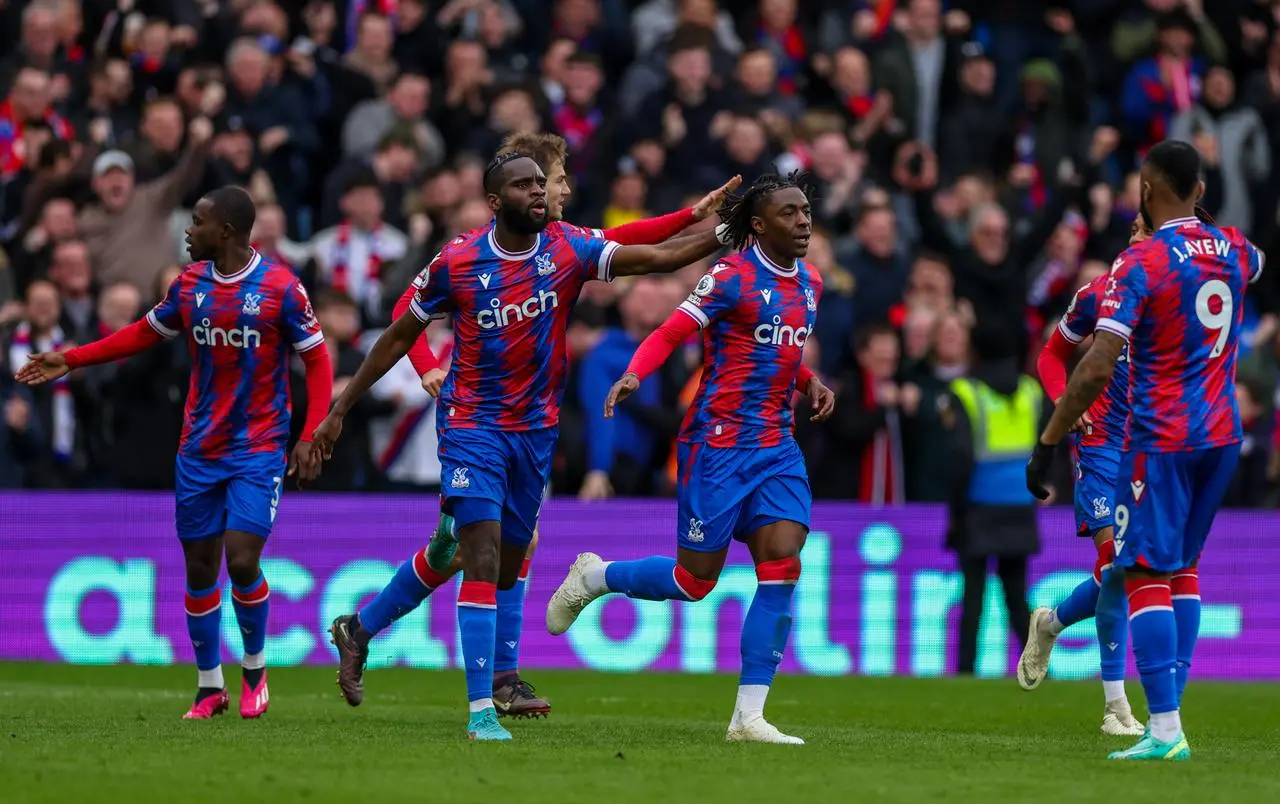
[(1110, 411), (239, 330), (510, 319), (1178, 299), (755, 316)]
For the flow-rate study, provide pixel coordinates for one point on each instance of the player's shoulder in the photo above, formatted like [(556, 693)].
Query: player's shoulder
[(564, 230), (811, 273), (278, 276), (731, 264)]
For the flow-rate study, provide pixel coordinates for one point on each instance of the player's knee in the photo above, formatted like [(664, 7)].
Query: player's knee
[(243, 568), (782, 570), (694, 588)]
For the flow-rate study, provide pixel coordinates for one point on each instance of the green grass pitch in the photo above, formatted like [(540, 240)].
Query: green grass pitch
[(105, 734)]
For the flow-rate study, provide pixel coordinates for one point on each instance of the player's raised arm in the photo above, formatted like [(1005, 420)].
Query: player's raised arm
[(657, 230), (665, 257)]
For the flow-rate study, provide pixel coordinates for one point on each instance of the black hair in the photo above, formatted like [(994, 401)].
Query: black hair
[(740, 208), (1178, 163), (233, 206), (361, 178), (493, 172)]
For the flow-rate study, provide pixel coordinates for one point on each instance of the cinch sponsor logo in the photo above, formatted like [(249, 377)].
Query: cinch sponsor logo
[(240, 338), (779, 334), (504, 315)]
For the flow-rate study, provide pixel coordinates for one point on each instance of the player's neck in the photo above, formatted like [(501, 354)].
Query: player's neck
[(512, 242), (233, 261), (782, 262), (1159, 217)]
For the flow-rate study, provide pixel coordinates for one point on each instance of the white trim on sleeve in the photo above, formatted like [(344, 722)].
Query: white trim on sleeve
[(605, 263), (164, 331), (1114, 327), (309, 342), (690, 309), (1067, 333)]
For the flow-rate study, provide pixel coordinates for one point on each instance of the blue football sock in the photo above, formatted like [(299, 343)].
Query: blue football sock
[(652, 578), (1155, 637), (405, 592), (506, 655), (477, 623), (1185, 588), (768, 621), (1080, 604), (204, 625), (1112, 623), (252, 604)]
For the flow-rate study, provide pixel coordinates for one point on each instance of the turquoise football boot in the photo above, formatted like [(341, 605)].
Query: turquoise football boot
[(1149, 749), (443, 545), (484, 726)]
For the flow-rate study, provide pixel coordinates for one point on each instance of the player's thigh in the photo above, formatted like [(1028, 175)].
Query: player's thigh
[(1214, 471), (473, 475), (528, 471), (1153, 501), (708, 497), (255, 483), (1095, 489), (777, 508), (200, 492)]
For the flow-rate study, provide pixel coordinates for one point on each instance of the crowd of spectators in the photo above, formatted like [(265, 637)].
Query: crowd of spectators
[(973, 164)]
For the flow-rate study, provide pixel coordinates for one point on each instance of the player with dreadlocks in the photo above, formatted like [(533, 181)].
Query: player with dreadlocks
[(741, 473)]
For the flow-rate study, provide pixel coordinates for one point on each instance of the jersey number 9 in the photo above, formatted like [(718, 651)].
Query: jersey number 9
[(1220, 321)]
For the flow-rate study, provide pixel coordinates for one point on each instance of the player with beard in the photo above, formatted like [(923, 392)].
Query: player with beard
[(511, 288), (352, 633)]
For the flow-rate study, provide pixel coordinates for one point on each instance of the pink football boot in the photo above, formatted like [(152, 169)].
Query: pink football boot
[(254, 702), (206, 708)]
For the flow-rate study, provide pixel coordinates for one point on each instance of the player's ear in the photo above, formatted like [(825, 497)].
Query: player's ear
[(757, 224), (1199, 191), (494, 202)]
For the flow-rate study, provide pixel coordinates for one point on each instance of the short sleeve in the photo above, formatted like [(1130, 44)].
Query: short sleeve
[(300, 324), (594, 253), (166, 317), (1081, 317), (1257, 261), (715, 295), (1125, 297), (431, 290)]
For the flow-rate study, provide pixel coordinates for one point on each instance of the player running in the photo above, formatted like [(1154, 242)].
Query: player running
[(241, 314), (351, 633), (511, 287), (1097, 456), (1177, 301), (742, 475)]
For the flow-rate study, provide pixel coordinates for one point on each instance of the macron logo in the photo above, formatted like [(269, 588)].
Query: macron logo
[(1137, 487), (199, 299), (767, 294), (484, 280)]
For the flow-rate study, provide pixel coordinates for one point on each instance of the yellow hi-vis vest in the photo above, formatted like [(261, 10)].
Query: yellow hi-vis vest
[(1004, 435)]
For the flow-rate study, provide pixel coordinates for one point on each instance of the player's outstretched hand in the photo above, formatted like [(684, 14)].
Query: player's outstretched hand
[(305, 463), (621, 389), (43, 367), (323, 439), (824, 400), (432, 381), (712, 200), (1038, 470)]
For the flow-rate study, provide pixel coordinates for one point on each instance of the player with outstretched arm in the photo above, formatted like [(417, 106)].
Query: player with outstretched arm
[(352, 633), (511, 288), (242, 315), (1177, 301), (741, 474)]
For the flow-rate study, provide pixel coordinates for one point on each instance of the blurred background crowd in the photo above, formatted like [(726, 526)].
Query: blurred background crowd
[(973, 165)]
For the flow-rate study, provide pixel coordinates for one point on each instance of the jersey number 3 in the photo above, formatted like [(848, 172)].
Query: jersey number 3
[(1216, 312)]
